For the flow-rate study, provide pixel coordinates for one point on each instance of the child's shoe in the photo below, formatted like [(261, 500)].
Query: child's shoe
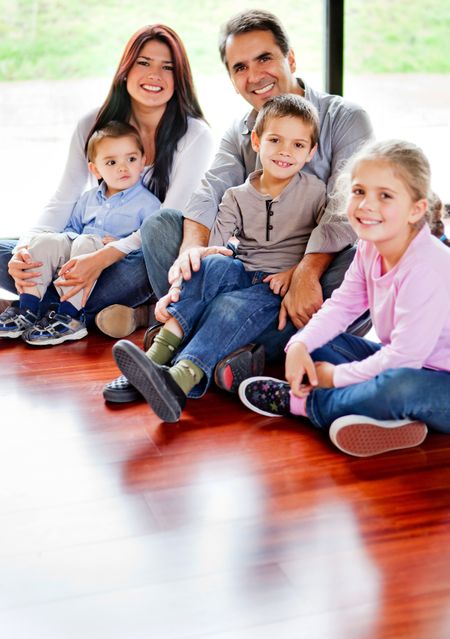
[(266, 396), (363, 436), (154, 382), (14, 321), (55, 328)]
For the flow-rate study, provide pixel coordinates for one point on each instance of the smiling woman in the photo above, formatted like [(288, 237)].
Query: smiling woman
[(153, 90)]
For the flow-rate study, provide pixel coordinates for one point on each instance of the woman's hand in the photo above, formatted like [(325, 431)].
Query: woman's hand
[(79, 273), (279, 282), (298, 364), (21, 268)]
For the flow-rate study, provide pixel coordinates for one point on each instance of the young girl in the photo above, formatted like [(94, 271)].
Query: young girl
[(376, 397)]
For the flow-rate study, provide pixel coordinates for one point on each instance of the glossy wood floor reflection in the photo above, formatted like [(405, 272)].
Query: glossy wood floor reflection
[(227, 525)]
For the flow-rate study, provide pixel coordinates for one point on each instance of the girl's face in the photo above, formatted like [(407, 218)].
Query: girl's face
[(381, 209), (150, 81)]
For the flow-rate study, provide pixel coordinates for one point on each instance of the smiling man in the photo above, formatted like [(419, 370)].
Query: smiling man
[(260, 62)]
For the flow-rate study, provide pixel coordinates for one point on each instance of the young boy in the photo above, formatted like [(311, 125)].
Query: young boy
[(113, 210), (275, 215)]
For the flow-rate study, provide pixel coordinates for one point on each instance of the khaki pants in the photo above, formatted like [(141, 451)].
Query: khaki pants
[(53, 250)]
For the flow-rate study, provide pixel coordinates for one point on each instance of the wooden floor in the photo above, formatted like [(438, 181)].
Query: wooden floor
[(226, 526)]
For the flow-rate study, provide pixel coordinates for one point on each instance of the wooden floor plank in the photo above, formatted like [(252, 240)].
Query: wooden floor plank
[(227, 525)]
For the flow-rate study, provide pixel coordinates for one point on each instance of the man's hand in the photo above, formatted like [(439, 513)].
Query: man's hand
[(304, 296), (279, 282), (190, 259), (298, 364), (21, 268)]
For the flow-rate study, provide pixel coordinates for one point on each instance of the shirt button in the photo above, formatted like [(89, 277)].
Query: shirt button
[(270, 227), (271, 213)]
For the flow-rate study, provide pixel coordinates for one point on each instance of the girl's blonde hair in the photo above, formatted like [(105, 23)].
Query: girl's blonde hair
[(408, 162)]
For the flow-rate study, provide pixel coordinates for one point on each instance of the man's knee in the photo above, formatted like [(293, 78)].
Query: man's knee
[(167, 223)]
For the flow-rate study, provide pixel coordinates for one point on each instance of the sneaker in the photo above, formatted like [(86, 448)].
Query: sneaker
[(15, 321), (119, 321), (243, 363), (154, 382), (363, 436), (266, 396), (55, 328), (120, 391)]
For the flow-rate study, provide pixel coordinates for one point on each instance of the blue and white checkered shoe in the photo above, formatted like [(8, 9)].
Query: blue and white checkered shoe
[(14, 321), (55, 328)]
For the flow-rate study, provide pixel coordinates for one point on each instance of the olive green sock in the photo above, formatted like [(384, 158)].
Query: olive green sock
[(164, 346), (186, 374)]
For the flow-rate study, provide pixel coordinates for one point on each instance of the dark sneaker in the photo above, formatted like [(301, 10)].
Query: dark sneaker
[(55, 328), (154, 382), (239, 365), (266, 396), (118, 320), (363, 436), (15, 321), (120, 391)]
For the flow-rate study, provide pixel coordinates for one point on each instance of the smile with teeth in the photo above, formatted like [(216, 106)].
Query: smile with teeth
[(282, 163), (151, 87), (264, 89), (367, 222)]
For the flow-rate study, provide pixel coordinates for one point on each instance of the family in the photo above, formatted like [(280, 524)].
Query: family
[(299, 206)]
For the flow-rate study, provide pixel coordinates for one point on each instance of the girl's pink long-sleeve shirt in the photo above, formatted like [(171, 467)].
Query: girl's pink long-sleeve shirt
[(409, 306)]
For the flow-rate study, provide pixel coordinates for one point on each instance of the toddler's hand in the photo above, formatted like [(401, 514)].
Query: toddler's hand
[(279, 282)]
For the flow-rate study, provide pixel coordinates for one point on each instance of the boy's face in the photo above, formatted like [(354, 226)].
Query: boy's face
[(119, 162), (284, 147)]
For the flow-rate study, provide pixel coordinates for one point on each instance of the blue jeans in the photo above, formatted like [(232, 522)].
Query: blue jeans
[(398, 393), (161, 239), (221, 308), (125, 282)]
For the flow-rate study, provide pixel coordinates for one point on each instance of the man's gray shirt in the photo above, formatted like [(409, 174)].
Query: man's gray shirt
[(344, 127)]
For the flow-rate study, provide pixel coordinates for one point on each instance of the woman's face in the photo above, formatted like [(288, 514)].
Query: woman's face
[(150, 80)]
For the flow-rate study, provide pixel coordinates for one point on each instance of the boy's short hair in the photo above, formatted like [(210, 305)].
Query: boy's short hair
[(253, 20), (289, 105), (114, 129)]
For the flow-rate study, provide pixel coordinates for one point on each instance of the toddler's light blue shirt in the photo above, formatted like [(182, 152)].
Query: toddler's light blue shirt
[(119, 215)]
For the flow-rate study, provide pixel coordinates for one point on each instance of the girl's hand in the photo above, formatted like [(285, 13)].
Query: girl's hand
[(298, 364), (79, 273), (21, 268), (325, 372), (279, 282)]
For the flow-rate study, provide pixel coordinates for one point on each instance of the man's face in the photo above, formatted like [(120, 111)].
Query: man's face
[(257, 67)]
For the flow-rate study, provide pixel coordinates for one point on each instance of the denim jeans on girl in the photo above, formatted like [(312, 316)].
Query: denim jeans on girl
[(222, 308), (398, 393)]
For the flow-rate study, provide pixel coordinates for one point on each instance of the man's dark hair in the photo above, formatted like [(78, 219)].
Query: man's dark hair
[(253, 20), (289, 105)]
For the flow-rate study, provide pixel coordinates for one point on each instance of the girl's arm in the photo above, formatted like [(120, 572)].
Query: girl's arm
[(421, 310)]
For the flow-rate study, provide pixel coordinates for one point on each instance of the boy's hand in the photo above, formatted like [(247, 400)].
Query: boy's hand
[(298, 364), (189, 261), (107, 239), (20, 268), (279, 282)]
